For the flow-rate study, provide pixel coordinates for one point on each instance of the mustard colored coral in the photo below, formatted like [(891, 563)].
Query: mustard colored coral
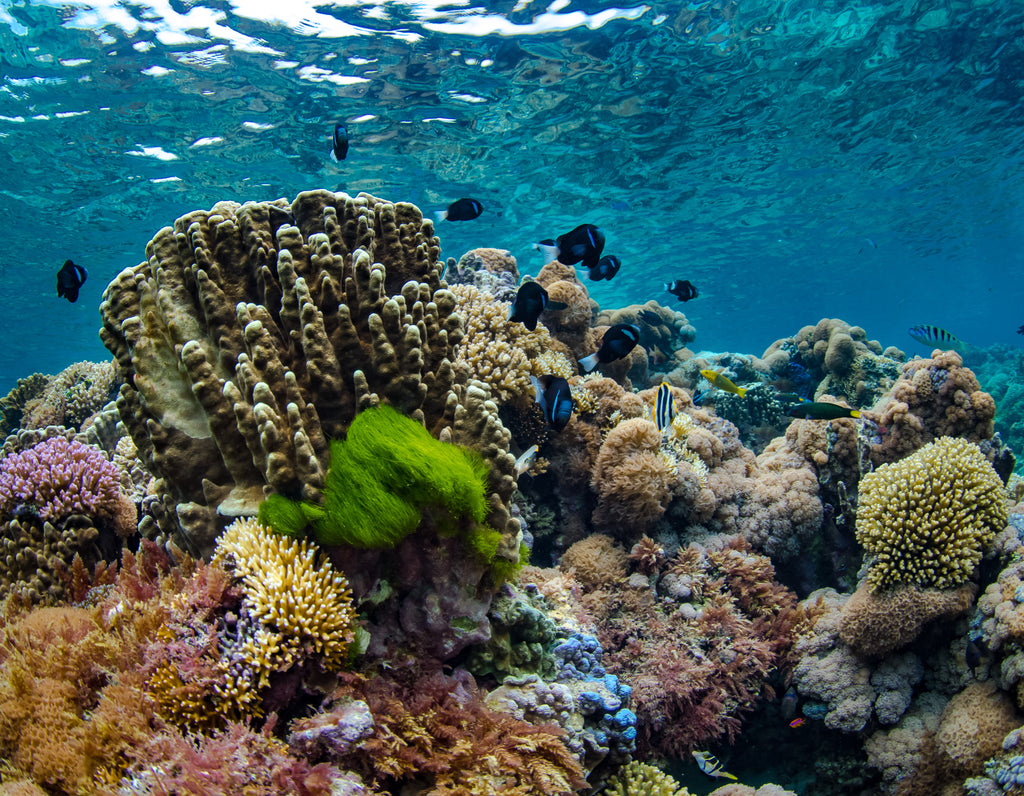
[(642, 779), (301, 602), (927, 519)]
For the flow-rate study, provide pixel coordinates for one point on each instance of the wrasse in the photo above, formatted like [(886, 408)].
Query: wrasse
[(821, 410), (722, 382)]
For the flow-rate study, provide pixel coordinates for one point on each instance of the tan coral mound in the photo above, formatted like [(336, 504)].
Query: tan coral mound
[(595, 560), (927, 518), (633, 478), (876, 623)]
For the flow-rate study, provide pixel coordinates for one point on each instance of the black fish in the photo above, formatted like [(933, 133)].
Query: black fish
[(650, 318), (1020, 330), (972, 655), (69, 279), (607, 267), (460, 210), (682, 289), (554, 399), (583, 244), (531, 300), (616, 343), (821, 410), (340, 149)]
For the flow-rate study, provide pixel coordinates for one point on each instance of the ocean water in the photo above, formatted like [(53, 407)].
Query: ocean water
[(795, 160)]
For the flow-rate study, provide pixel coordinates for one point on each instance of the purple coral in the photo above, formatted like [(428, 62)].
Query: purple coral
[(56, 478)]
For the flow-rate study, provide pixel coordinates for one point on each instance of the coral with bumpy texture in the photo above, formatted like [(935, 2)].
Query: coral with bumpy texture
[(933, 398), (878, 622), (495, 351), (74, 395), (928, 518), (253, 333)]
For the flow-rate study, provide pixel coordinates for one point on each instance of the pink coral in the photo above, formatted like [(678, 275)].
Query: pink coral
[(59, 477)]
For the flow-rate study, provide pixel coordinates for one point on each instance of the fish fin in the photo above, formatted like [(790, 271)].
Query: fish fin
[(538, 390), (440, 215), (727, 775), (550, 252), (556, 305), (741, 391), (334, 157), (589, 363)]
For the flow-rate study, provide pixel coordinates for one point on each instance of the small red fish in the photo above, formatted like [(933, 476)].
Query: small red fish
[(797, 723)]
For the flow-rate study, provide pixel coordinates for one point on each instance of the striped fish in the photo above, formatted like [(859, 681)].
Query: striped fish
[(664, 407), (709, 764), (936, 336)]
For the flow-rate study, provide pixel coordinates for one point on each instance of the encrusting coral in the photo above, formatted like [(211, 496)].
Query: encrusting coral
[(253, 333), (928, 518)]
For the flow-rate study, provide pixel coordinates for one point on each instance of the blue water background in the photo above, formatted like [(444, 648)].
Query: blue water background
[(795, 160)]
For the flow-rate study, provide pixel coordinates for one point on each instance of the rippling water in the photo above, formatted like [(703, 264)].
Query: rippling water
[(793, 159)]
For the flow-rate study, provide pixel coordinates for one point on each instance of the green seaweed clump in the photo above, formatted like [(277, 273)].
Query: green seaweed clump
[(383, 480)]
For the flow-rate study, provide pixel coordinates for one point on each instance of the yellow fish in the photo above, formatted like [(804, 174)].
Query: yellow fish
[(709, 764), (722, 382), (664, 407)]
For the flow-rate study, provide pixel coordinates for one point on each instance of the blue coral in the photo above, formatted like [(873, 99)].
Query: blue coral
[(579, 658)]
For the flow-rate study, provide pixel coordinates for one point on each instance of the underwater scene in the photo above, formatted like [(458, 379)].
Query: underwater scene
[(537, 398)]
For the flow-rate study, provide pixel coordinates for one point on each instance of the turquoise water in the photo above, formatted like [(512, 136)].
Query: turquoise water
[(793, 159)]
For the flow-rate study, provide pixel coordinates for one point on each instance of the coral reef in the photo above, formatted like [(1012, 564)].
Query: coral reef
[(641, 779), (928, 518), (14, 404), (73, 396)]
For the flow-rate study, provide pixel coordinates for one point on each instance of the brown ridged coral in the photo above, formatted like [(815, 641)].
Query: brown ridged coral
[(876, 623), (253, 333)]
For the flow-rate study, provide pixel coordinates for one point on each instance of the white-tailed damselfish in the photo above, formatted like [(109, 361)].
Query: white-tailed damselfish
[(617, 342), (530, 301), (682, 289), (460, 210), (583, 245), (554, 399), (70, 278), (607, 267), (340, 148)]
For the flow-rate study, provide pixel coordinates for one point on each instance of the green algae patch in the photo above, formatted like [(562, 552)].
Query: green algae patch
[(384, 479)]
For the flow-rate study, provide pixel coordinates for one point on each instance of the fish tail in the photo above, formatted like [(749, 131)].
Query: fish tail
[(550, 252), (854, 413), (440, 215), (589, 363), (727, 775), (741, 391)]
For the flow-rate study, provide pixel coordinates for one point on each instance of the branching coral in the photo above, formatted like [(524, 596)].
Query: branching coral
[(641, 779), (928, 518), (297, 604)]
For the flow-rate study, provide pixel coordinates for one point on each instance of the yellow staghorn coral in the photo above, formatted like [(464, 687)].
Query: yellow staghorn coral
[(495, 351), (642, 779), (300, 602), (927, 518)]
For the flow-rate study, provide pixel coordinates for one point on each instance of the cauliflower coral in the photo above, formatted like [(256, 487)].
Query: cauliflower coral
[(927, 519)]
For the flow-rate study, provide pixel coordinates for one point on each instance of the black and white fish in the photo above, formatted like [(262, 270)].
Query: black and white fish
[(936, 336), (607, 267), (70, 279), (582, 245), (555, 399), (709, 765), (530, 301), (682, 289), (340, 148), (617, 342), (460, 210), (664, 407)]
